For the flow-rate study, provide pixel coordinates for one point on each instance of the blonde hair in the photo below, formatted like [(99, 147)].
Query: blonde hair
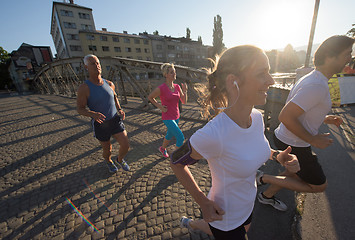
[(232, 61), (165, 68)]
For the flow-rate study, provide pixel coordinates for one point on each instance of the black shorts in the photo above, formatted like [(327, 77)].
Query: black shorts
[(235, 234), (311, 171), (105, 130)]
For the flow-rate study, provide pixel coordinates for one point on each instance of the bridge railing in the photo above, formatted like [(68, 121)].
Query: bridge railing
[(138, 78)]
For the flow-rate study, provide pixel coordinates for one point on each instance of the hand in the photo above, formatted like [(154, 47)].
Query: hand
[(184, 87), (99, 117), (211, 211), (321, 140), (333, 119), (289, 161), (164, 108), (122, 113)]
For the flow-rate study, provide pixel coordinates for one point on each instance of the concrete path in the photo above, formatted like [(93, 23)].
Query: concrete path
[(51, 167)]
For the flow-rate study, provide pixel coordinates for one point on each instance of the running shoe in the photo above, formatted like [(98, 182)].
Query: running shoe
[(111, 167), (164, 152), (185, 222), (276, 203), (123, 164)]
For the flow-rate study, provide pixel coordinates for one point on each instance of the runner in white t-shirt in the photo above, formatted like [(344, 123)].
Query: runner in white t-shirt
[(233, 143), (306, 109)]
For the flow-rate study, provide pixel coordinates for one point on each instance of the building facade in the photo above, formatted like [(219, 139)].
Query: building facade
[(74, 35), (67, 20), (25, 62), (181, 51)]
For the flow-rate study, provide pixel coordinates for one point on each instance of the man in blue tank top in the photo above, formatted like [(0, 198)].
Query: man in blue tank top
[(105, 111)]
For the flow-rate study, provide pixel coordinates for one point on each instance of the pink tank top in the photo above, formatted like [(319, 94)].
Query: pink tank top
[(171, 101)]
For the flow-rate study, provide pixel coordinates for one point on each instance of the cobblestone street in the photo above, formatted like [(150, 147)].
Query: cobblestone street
[(49, 157)]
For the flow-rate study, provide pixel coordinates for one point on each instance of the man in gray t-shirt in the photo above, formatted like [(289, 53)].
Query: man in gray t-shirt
[(306, 109)]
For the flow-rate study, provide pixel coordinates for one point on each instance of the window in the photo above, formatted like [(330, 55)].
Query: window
[(66, 13), (69, 25), (103, 38), (138, 50), (127, 40), (186, 49), (128, 49), (105, 48), (159, 55), (84, 16), (145, 41), (86, 27), (117, 49), (171, 47), (159, 47), (137, 41), (115, 39), (146, 50), (148, 58), (90, 37), (171, 55), (73, 36), (75, 48), (92, 48), (140, 58)]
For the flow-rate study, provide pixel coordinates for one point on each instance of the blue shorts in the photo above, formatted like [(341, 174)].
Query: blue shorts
[(105, 130)]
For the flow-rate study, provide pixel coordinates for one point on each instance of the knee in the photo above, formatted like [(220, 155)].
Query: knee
[(319, 188)]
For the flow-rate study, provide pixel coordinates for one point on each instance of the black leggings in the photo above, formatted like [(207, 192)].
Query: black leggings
[(238, 233)]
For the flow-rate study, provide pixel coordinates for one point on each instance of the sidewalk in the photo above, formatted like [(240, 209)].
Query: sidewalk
[(50, 159)]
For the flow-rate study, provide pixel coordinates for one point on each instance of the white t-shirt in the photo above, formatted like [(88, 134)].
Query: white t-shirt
[(311, 93), (233, 154)]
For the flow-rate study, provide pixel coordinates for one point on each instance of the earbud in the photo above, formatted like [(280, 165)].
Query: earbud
[(236, 84)]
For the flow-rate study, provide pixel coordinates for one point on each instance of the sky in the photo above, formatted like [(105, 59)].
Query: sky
[(268, 24)]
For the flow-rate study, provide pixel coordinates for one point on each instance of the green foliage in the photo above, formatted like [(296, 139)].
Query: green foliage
[(218, 45), (156, 32), (5, 79), (4, 56), (188, 33), (351, 32)]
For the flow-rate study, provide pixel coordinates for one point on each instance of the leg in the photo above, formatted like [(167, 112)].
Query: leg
[(165, 143), (174, 130), (123, 141), (289, 181), (106, 150), (202, 225)]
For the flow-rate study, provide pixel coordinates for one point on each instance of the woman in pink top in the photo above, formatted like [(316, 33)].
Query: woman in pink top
[(170, 94)]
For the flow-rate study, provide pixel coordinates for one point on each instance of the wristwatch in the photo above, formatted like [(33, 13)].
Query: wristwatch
[(274, 155)]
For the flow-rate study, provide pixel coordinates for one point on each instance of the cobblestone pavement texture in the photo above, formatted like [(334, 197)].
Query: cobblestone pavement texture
[(50, 158)]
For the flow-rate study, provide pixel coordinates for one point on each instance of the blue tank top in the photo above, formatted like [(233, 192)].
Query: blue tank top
[(101, 99)]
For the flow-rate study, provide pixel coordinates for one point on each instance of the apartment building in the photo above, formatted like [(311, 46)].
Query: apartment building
[(181, 51), (74, 35), (25, 62), (67, 20)]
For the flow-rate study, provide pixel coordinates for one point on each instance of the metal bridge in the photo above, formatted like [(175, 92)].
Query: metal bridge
[(60, 78)]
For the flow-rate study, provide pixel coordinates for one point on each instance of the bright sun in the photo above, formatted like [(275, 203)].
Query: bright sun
[(282, 22)]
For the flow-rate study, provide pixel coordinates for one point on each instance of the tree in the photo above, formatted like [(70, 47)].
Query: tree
[(5, 79), (199, 39), (351, 32), (156, 32), (188, 33), (218, 45)]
